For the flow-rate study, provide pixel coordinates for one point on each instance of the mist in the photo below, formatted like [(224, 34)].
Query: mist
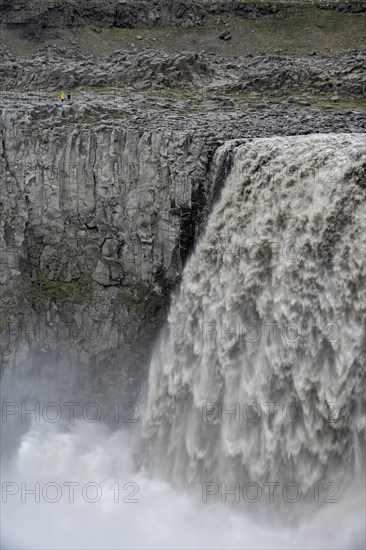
[(144, 513)]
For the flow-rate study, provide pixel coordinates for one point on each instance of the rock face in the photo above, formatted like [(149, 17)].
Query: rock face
[(278, 74), (117, 194), (148, 69), (354, 6), (146, 13), (271, 74), (126, 13), (95, 227)]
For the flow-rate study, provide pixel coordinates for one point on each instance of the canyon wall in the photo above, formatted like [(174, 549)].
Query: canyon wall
[(96, 226)]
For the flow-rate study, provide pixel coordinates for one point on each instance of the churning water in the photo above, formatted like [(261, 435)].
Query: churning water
[(253, 425)]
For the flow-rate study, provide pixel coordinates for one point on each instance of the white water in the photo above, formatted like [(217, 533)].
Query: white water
[(271, 310), (176, 449), (163, 517)]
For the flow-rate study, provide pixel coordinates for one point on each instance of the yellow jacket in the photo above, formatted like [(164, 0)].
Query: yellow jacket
[(62, 95)]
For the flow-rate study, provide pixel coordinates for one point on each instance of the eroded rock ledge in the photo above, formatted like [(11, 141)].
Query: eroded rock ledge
[(274, 75)]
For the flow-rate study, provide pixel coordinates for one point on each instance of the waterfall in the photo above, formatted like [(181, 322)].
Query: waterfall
[(268, 324)]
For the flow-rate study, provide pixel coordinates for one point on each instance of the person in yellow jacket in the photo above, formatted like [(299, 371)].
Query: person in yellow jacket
[(62, 96)]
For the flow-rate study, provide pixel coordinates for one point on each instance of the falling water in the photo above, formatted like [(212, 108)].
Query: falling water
[(269, 323)]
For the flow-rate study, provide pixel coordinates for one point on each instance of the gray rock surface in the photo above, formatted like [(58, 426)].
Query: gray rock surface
[(95, 225), (66, 68), (270, 74), (148, 13), (126, 13)]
